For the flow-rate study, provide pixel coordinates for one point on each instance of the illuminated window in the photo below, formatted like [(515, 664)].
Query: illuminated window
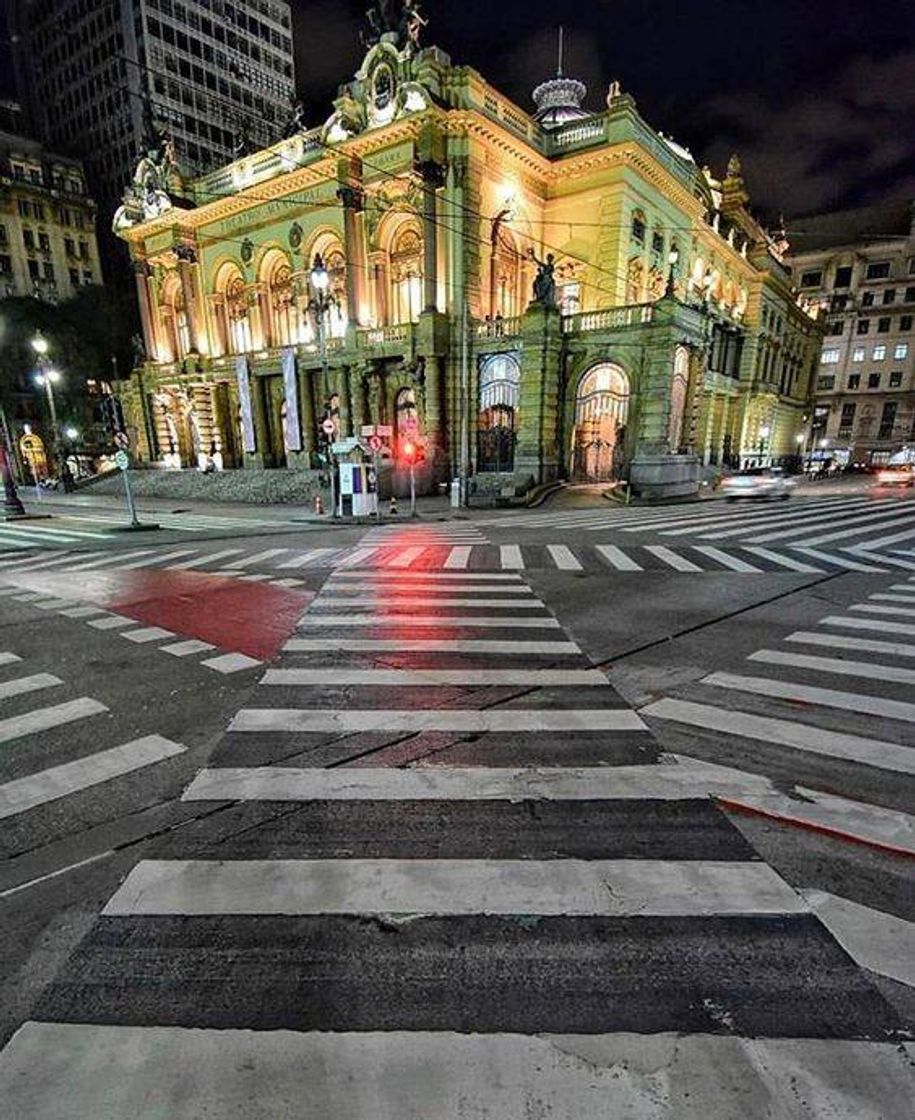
[(879, 353), (407, 275), (830, 356), (857, 355)]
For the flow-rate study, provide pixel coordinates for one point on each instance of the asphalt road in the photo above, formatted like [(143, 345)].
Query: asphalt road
[(534, 829)]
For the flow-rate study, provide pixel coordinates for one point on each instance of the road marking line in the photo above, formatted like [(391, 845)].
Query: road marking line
[(866, 669), (289, 581), (671, 558), (827, 697), (786, 733), (394, 578), (459, 556), (108, 558), (873, 939), (54, 604), (348, 591), (201, 561), (23, 794), (617, 558), (799, 517), (876, 608), (342, 675), (147, 634), (838, 561), (254, 577), (510, 556), (112, 622), (883, 624), (894, 598), (854, 527), (305, 558), (257, 557), (784, 561), (43, 719), (446, 719), (453, 886), (82, 612), (29, 596), (27, 684), (231, 662), (386, 602), (405, 558), (564, 558), (431, 645), (725, 558), (882, 542), (7, 658), (183, 649), (409, 621), (156, 559), (688, 779), (844, 641), (357, 556)]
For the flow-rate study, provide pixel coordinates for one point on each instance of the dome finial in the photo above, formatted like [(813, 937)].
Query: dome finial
[(559, 99), (559, 66)]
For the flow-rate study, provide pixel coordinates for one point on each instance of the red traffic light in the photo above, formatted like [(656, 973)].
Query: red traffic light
[(412, 452)]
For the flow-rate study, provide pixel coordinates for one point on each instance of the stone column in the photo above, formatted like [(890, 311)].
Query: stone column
[(145, 298), (537, 450), (259, 406), (357, 396), (350, 194), (433, 175), (307, 406), (188, 270), (723, 428), (340, 381)]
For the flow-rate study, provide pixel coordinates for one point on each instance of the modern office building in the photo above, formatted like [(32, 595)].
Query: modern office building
[(48, 246), (92, 73), (556, 294), (859, 265)]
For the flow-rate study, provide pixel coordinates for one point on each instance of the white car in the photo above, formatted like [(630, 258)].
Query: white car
[(757, 482)]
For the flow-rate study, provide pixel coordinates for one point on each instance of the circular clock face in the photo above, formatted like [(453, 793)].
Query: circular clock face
[(382, 87)]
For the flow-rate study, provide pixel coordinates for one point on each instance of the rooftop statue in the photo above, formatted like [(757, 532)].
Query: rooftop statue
[(394, 21), (155, 176), (545, 281)]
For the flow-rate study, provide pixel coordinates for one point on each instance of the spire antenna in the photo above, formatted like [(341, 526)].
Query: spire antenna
[(559, 67)]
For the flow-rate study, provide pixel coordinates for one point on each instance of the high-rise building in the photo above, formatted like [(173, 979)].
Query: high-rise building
[(860, 266), (92, 73)]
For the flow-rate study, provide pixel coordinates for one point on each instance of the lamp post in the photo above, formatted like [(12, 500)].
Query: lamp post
[(673, 258), (320, 303), (764, 433), (47, 378)]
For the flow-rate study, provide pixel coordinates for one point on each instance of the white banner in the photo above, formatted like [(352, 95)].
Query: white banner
[(244, 401), (293, 433)]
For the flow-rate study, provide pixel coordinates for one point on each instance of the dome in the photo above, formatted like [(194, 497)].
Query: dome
[(558, 101)]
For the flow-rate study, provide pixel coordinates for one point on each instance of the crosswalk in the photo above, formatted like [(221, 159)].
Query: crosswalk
[(442, 870)]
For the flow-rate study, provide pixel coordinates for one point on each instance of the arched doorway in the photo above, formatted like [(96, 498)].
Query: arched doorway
[(601, 411), (497, 420)]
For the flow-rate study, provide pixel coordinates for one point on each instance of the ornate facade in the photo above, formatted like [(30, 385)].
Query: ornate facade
[(557, 295)]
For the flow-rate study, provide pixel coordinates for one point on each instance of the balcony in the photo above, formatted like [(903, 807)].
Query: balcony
[(499, 328), (610, 318), (391, 340)]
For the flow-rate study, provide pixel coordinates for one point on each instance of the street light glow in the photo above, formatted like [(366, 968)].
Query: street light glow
[(72, 433), (40, 344), (319, 278), (764, 431)]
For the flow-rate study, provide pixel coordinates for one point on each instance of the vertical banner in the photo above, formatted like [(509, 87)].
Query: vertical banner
[(244, 401), (293, 433)]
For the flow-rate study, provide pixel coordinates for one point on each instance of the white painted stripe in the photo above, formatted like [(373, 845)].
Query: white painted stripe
[(350, 591), (83, 612), (459, 556), (231, 662), (387, 602), (877, 608), (32, 684), (802, 517), (873, 939), (405, 559), (357, 556), (564, 558), (24, 794), (184, 649), (894, 538), (672, 559), (814, 518), (844, 641), (29, 596), (444, 719), (882, 624), (617, 558), (257, 557), (289, 581), (112, 622), (510, 556), (453, 886), (202, 561), (308, 557), (6, 591), (909, 587), (147, 634), (53, 604), (784, 561), (808, 694), (430, 645), (725, 558), (256, 577), (108, 558), (158, 558), (342, 675), (7, 658), (463, 621), (865, 669), (104, 1071), (838, 561), (800, 736), (894, 598), (43, 719), (62, 559), (434, 577), (688, 779), (856, 525)]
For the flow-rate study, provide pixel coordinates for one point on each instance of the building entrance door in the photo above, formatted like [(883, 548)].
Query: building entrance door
[(601, 411)]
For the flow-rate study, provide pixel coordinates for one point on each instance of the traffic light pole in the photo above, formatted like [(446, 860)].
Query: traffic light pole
[(412, 490)]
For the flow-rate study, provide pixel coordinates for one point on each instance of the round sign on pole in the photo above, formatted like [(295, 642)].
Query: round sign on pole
[(327, 426), (121, 460), (375, 443)]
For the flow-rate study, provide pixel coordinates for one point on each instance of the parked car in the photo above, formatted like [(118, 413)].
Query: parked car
[(757, 482), (896, 474)]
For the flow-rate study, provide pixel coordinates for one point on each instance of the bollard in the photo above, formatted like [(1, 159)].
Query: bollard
[(393, 506), (319, 504)]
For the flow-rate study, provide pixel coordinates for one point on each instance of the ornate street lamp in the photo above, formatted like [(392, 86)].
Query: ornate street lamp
[(47, 378), (320, 303)]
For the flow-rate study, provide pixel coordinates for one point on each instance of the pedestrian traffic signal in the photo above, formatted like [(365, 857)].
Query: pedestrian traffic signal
[(412, 452)]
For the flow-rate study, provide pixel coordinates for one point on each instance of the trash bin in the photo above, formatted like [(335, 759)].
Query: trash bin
[(455, 493)]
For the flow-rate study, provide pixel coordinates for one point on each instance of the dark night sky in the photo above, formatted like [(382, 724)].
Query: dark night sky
[(818, 98)]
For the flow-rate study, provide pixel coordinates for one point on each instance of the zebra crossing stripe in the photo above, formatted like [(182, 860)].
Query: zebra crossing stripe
[(875, 940), (27, 684), (671, 558), (349, 591), (446, 719), (618, 559), (783, 561), (814, 519), (462, 621), (306, 559), (565, 887), (43, 719), (385, 578), (23, 794), (798, 516), (839, 561), (877, 608), (430, 645), (109, 558), (405, 559), (392, 603), (827, 697), (201, 561), (342, 675), (844, 641), (257, 557), (358, 556), (894, 538), (855, 526), (884, 624), (510, 556), (564, 558), (459, 556), (7, 658), (801, 736), (865, 669), (725, 558)]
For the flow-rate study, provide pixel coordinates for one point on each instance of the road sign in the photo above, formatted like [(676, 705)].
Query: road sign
[(122, 460), (384, 430), (328, 426), (376, 443)]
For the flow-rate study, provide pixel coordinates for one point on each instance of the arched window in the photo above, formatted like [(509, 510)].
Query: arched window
[(174, 316), (497, 419), (507, 270), (329, 248), (281, 302), (637, 230), (678, 389), (601, 412), (407, 275), (237, 315)]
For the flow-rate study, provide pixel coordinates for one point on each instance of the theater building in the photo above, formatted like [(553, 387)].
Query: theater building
[(562, 294)]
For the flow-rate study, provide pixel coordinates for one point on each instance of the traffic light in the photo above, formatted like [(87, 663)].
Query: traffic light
[(412, 452)]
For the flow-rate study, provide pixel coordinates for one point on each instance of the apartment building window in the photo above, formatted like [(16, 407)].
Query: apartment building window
[(889, 296), (867, 299), (28, 240), (879, 270), (864, 325), (49, 271), (69, 246), (843, 276), (824, 383), (74, 276), (901, 350), (910, 295), (33, 269), (854, 380), (44, 243), (879, 353), (887, 421), (812, 279), (895, 378), (905, 322), (830, 356), (847, 419), (23, 207), (883, 325), (87, 277), (873, 381), (835, 327), (3, 237), (6, 266), (857, 355), (83, 250)]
